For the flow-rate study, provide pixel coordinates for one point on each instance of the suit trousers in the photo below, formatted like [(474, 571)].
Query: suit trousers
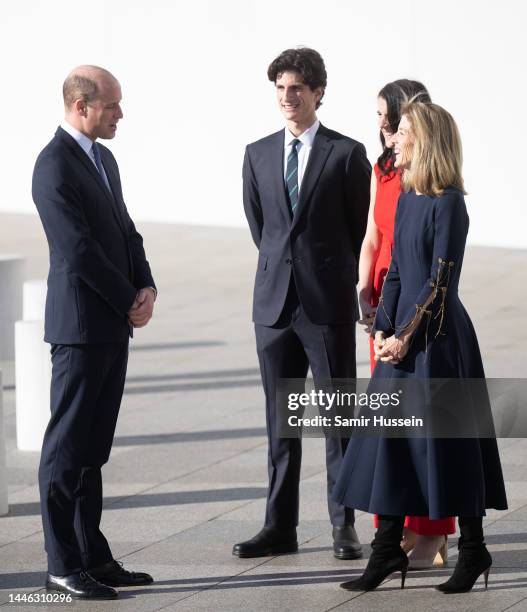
[(286, 350), (86, 389)]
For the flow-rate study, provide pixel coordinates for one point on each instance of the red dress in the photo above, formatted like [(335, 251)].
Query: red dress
[(388, 190)]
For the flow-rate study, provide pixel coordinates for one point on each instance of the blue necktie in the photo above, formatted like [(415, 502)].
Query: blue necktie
[(291, 176), (98, 163)]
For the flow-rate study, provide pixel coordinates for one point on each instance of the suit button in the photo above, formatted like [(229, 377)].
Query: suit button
[(288, 261)]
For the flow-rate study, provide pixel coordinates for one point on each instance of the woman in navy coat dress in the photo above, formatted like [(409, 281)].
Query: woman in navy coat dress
[(422, 331)]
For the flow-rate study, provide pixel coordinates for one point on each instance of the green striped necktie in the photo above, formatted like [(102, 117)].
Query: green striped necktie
[(291, 176)]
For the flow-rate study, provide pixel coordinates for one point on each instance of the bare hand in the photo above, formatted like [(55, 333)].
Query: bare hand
[(368, 311), (394, 350), (378, 344), (142, 309)]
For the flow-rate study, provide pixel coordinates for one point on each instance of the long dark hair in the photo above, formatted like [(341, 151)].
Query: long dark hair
[(397, 94)]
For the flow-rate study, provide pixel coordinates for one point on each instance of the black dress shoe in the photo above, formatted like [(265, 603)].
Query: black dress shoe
[(80, 586), (346, 543), (114, 574), (269, 541)]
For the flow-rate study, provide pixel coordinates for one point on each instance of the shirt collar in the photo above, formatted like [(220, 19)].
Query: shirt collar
[(306, 138), (83, 141)]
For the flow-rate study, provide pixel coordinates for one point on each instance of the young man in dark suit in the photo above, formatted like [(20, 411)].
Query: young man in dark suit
[(306, 194), (99, 288)]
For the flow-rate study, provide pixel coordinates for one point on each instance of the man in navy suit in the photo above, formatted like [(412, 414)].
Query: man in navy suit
[(306, 196), (99, 288)]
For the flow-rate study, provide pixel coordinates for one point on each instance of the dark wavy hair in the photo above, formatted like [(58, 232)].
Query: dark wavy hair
[(397, 94), (307, 62)]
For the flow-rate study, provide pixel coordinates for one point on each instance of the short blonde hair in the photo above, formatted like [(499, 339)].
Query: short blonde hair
[(437, 155)]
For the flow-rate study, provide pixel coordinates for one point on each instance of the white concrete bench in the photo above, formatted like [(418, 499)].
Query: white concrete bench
[(11, 279), (33, 369)]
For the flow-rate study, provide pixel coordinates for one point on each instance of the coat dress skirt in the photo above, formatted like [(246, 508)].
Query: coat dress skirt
[(434, 477)]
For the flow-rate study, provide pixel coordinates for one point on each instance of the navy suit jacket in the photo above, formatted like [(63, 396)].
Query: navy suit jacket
[(320, 246), (97, 260)]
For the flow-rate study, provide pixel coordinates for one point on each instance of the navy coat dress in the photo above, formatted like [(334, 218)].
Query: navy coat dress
[(434, 477)]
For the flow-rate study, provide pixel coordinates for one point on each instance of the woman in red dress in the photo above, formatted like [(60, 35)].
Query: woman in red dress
[(425, 538)]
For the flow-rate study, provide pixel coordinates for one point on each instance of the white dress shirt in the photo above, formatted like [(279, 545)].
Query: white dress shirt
[(303, 149)]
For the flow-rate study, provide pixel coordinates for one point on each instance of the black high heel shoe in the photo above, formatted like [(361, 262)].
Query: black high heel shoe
[(470, 566), (379, 567), (474, 558)]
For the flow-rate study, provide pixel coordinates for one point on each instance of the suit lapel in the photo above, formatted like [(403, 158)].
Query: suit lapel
[(322, 146), (277, 157), (117, 203), (92, 170)]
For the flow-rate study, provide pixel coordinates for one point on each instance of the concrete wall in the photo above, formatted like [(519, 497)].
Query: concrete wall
[(195, 91)]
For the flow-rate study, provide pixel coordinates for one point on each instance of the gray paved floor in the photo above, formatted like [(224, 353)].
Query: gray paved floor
[(187, 475)]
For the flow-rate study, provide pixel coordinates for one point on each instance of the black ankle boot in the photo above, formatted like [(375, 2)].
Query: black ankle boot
[(387, 556), (474, 558)]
